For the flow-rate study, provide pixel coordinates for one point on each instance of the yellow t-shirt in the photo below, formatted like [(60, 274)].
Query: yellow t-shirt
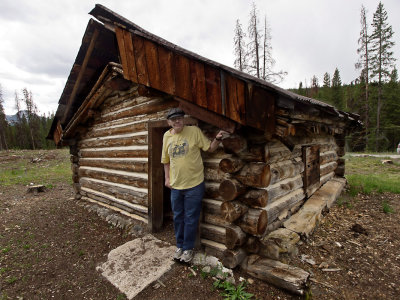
[(182, 151)]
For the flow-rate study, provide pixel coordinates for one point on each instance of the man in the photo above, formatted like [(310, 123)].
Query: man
[(184, 175)]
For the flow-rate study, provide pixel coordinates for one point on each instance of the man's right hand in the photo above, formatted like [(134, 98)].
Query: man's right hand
[(167, 184)]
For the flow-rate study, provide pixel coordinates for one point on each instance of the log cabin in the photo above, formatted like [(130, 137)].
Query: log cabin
[(281, 150)]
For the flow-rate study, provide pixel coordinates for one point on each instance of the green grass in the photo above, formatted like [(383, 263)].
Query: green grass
[(387, 209), (232, 292), (11, 280), (368, 174), (6, 250), (47, 172)]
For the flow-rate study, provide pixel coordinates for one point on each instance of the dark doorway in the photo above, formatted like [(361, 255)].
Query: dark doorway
[(159, 195), (159, 200)]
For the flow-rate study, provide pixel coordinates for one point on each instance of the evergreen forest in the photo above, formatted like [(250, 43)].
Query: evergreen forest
[(28, 130), (374, 95)]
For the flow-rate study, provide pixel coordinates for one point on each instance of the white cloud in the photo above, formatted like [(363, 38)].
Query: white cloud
[(309, 37)]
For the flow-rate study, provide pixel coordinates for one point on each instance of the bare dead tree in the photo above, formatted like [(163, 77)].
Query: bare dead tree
[(363, 64), (240, 51), (268, 72), (31, 114), (254, 45), (3, 123)]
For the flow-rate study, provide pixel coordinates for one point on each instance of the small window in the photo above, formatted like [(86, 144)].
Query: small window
[(311, 173)]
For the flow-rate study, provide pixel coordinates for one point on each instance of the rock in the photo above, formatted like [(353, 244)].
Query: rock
[(156, 286), (307, 259), (231, 280), (141, 261), (209, 262), (339, 244), (323, 265)]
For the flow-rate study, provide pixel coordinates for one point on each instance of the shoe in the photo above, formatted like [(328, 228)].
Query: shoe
[(187, 256), (178, 253)]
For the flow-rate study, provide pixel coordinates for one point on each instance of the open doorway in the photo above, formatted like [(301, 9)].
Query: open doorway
[(159, 195), (160, 212)]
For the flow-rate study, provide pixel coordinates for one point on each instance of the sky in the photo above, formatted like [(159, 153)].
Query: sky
[(39, 39)]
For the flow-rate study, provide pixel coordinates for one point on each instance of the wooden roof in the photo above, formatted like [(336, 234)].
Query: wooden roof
[(154, 62)]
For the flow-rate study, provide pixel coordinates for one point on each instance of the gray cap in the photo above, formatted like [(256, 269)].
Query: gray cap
[(175, 112)]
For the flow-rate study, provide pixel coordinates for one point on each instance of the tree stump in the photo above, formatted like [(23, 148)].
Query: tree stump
[(35, 189)]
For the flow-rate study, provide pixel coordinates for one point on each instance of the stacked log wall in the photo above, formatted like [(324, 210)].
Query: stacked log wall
[(252, 185), (257, 187), (113, 152)]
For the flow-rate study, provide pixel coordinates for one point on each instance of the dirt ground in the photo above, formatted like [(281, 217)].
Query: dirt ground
[(50, 246)]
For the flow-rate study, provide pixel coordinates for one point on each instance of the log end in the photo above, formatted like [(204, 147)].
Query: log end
[(230, 189), (262, 222)]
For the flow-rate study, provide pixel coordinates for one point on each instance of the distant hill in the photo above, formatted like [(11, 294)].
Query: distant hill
[(13, 119)]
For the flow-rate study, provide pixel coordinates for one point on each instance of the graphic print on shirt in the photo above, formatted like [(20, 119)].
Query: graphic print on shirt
[(179, 149)]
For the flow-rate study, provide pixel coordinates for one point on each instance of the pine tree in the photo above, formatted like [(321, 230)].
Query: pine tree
[(3, 123), (314, 87), (239, 42), (300, 90), (391, 110), (382, 60), (327, 80), (337, 93), (363, 64), (254, 45)]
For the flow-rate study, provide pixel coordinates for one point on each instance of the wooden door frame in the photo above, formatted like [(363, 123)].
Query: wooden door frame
[(156, 130), (155, 187)]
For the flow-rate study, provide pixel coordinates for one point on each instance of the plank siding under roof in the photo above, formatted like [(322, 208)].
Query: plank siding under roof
[(182, 76)]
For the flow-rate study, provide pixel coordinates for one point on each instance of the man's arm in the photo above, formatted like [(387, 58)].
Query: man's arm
[(216, 141), (166, 171)]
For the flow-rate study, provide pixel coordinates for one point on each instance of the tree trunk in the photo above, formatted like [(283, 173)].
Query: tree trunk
[(255, 198), (277, 151), (255, 175), (285, 169), (234, 144), (213, 233), (118, 191), (281, 275), (283, 188), (283, 204), (327, 168), (255, 221), (327, 157), (212, 190), (212, 212), (234, 236), (122, 165), (231, 164), (252, 245), (233, 258), (229, 189), (233, 210)]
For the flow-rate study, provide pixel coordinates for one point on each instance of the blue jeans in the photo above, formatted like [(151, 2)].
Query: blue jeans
[(186, 206)]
